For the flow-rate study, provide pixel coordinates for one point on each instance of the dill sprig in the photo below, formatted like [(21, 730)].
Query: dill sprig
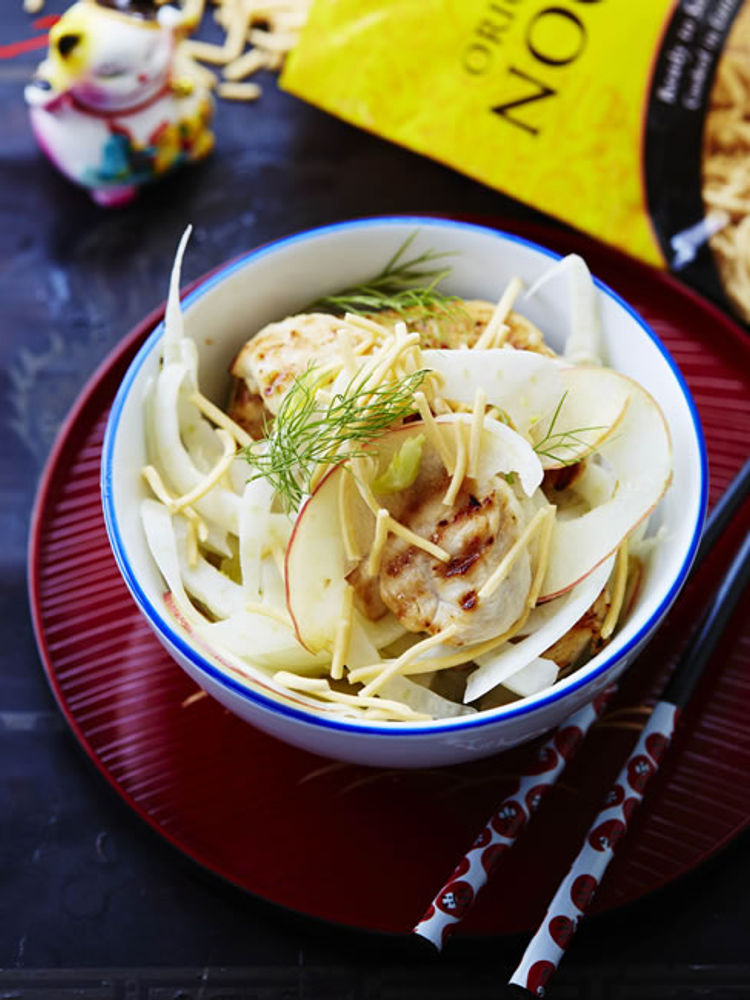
[(402, 285), (306, 434), (554, 444)]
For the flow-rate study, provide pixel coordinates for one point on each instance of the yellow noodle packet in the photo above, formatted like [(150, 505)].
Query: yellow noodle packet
[(630, 121)]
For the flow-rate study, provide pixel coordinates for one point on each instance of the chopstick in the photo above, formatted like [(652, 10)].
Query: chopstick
[(577, 889), (502, 829), (724, 510), (454, 899)]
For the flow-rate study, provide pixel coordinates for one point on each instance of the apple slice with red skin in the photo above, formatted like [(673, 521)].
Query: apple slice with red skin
[(591, 408), (639, 454), (587, 402), (316, 563)]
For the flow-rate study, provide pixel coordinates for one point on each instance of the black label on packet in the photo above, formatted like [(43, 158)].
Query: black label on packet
[(681, 85)]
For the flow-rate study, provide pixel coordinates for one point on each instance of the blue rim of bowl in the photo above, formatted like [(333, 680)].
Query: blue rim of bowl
[(460, 723)]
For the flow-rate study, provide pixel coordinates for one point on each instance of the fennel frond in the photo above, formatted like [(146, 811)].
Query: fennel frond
[(306, 433)]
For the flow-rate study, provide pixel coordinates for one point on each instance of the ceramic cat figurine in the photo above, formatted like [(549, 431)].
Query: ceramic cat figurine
[(111, 106)]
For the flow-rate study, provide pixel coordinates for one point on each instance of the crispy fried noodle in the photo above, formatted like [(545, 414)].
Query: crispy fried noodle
[(726, 170)]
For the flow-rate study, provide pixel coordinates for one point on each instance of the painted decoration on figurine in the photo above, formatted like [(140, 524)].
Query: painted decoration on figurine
[(111, 105)]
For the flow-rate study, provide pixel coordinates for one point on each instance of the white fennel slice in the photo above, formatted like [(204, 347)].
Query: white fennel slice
[(218, 504), (545, 625), (161, 540), (375, 634), (360, 650), (526, 385), (583, 343), (595, 485), (199, 437), (174, 330), (203, 581), (501, 450), (272, 586), (382, 631), (237, 665), (533, 678), (261, 640), (639, 456), (422, 700), (254, 527)]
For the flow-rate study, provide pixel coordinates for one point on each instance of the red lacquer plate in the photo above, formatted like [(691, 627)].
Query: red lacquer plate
[(363, 847)]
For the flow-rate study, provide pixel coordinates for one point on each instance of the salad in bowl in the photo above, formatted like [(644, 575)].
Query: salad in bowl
[(408, 507)]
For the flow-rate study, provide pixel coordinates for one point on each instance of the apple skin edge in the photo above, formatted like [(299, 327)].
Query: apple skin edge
[(309, 508)]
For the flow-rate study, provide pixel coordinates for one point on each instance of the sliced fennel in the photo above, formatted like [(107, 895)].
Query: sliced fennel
[(546, 624)]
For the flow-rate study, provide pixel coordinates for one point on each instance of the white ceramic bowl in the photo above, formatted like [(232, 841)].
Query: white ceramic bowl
[(281, 278)]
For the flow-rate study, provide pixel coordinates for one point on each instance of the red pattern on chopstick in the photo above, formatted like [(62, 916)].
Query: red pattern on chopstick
[(506, 823), (577, 889)]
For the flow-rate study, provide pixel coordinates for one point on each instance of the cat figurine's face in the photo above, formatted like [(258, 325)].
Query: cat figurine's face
[(107, 59)]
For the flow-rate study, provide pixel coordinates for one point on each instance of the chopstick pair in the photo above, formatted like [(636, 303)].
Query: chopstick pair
[(574, 895), (572, 899)]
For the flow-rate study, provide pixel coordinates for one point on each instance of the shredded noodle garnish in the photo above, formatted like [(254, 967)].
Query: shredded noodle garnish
[(618, 591)]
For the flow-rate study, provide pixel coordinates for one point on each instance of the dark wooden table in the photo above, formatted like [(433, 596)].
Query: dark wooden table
[(93, 904)]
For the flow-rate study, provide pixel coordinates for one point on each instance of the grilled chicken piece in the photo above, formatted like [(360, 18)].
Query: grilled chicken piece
[(267, 365), (584, 639), (463, 325), (281, 352), (246, 409), (427, 595)]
